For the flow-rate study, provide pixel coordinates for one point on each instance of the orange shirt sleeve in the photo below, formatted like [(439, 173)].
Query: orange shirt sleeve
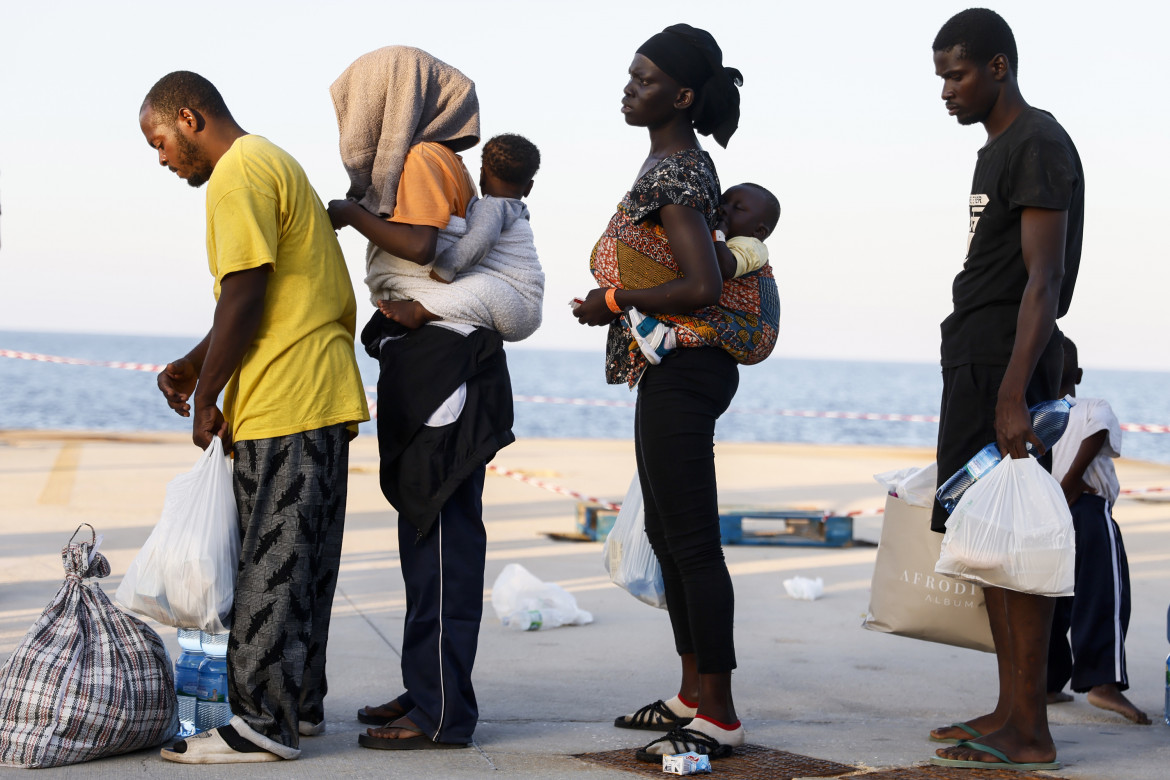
[(434, 186)]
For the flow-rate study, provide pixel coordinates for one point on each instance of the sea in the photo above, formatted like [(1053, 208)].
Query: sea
[(563, 394)]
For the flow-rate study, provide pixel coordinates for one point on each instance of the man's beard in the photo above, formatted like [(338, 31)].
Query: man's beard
[(191, 155)]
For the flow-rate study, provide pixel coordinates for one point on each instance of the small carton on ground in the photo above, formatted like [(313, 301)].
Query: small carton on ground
[(686, 764)]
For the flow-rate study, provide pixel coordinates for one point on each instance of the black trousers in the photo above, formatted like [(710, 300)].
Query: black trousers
[(966, 421), (679, 401), (1098, 612), (443, 574)]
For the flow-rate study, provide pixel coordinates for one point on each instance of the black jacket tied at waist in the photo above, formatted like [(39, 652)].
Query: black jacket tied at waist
[(421, 466)]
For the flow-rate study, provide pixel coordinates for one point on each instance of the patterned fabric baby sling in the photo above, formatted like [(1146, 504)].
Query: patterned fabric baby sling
[(87, 680), (636, 255)]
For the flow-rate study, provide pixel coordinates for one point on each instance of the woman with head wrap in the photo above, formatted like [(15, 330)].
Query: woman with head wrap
[(658, 255), (443, 390)]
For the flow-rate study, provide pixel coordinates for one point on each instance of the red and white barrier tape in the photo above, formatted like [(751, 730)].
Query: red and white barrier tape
[(540, 483), (1144, 491), (154, 368), (549, 399), (150, 367)]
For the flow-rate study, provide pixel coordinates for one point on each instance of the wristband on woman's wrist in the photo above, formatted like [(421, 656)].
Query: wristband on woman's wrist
[(611, 300), (718, 237)]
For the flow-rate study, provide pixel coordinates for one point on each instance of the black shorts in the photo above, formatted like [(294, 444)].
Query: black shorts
[(967, 418)]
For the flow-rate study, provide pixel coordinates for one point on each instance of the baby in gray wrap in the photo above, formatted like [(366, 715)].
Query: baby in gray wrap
[(508, 164)]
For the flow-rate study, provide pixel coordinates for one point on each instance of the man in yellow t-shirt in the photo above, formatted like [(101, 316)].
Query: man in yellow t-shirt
[(281, 350)]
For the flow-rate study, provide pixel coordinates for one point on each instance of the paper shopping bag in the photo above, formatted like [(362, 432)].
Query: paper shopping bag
[(908, 599)]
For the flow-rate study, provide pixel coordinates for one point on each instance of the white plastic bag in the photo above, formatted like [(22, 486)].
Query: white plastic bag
[(1012, 529), (525, 602), (914, 485), (628, 557), (185, 574), (804, 589)]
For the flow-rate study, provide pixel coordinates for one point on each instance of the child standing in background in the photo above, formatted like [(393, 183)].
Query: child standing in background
[(1098, 612)]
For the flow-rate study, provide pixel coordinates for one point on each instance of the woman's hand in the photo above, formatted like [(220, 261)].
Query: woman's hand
[(594, 310)]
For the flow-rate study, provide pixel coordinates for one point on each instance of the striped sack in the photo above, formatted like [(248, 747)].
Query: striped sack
[(87, 680)]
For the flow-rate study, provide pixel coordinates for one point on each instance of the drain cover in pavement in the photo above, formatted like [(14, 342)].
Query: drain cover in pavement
[(750, 762)]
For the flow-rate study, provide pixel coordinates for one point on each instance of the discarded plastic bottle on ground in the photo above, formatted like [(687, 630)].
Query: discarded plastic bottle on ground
[(187, 679), (213, 709), (1049, 419), (534, 619)]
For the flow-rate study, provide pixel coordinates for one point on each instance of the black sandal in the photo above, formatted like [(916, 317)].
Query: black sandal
[(683, 740), (652, 717)]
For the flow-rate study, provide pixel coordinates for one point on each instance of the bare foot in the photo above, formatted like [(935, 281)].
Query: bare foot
[(1107, 697), (382, 713), (1058, 697), (408, 314), (984, 724), (403, 728)]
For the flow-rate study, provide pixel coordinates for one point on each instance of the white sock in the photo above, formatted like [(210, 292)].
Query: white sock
[(675, 705), (734, 737)]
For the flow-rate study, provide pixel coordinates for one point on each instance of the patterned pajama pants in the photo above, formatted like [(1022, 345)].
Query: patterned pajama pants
[(290, 491)]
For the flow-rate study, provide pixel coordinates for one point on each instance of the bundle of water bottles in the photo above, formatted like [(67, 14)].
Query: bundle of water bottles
[(201, 681)]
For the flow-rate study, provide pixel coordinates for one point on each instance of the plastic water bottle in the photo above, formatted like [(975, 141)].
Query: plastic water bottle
[(187, 679), (1049, 419), (213, 709), (534, 619)]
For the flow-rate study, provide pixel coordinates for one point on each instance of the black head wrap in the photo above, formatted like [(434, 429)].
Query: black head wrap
[(691, 57)]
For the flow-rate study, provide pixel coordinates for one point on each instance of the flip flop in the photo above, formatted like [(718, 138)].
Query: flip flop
[(1003, 763), (420, 742), (951, 741)]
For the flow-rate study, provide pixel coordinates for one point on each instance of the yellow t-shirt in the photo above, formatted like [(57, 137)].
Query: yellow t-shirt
[(300, 372), (435, 184)]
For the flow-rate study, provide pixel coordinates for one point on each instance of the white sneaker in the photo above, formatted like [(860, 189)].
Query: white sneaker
[(655, 339)]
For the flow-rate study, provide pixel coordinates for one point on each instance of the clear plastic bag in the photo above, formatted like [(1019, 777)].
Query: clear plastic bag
[(628, 557), (526, 603), (914, 485), (1012, 529), (185, 574)]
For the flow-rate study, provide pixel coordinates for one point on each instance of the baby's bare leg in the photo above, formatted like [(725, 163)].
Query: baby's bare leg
[(408, 314)]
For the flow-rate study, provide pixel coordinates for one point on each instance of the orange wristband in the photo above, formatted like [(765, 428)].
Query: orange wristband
[(611, 300)]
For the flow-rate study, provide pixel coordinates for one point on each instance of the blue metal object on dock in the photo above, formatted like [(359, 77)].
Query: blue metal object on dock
[(746, 525)]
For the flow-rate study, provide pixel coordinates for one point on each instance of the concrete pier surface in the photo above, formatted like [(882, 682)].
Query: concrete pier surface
[(810, 680)]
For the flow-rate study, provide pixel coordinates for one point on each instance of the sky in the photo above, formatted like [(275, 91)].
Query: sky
[(841, 118)]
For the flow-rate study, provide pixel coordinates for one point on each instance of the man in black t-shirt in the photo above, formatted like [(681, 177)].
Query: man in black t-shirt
[(1001, 350)]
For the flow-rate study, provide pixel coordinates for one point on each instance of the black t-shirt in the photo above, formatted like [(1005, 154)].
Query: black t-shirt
[(1032, 164)]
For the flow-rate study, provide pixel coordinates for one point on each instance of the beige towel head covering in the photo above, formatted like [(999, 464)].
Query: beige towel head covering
[(386, 102)]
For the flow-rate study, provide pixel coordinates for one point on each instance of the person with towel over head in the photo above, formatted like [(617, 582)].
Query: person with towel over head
[(444, 393)]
